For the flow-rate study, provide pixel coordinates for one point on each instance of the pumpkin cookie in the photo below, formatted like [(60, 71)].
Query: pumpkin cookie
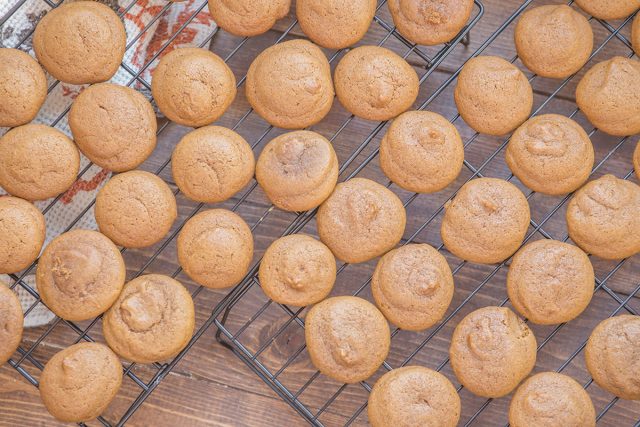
[(636, 160), (22, 232), (609, 9), (635, 34), (247, 18), (11, 323), (23, 86)]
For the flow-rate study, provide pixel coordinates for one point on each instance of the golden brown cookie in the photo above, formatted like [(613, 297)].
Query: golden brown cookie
[(114, 126), (609, 9), (374, 83), (413, 396), (635, 34), (636, 159), (612, 355), (549, 398), (193, 86), (347, 338), (247, 18), (37, 162), (289, 84), (212, 163), (135, 209), (215, 248), (22, 232), (297, 270), (80, 274), (151, 321), (23, 86), (11, 322), (361, 220), (602, 218), (492, 95), (80, 42), (298, 170), (491, 351), (550, 154), (486, 222), (421, 152)]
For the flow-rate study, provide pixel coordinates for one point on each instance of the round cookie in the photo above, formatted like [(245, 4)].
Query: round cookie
[(37, 162), (151, 321), (297, 270), (298, 170), (492, 95), (361, 220), (635, 35), (80, 42), (486, 222), (23, 86), (193, 86), (11, 322), (347, 338), (602, 218), (413, 396), (609, 95), (413, 286), (374, 83), (491, 351), (135, 209), (612, 355), (247, 18), (421, 152), (215, 248), (80, 275), (550, 154), (212, 163), (289, 84), (609, 9), (636, 160), (114, 126), (22, 232)]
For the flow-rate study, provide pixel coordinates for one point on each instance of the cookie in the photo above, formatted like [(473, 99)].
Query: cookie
[(37, 162), (486, 222), (193, 86), (361, 220), (635, 34), (22, 232), (612, 356), (413, 286), (550, 154), (493, 96), (636, 160), (609, 95), (298, 170), (549, 398), (297, 270), (347, 338), (413, 396), (247, 18), (135, 209), (11, 322), (550, 282), (114, 126), (602, 218), (23, 85), (151, 321), (80, 275), (80, 42), (491, 351), (609, 9), (215, 248), (289, 84), (374, 83), (212, 163), (421, 152)]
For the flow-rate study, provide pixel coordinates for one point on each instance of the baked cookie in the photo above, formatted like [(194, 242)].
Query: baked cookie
[(135, 209), (421, 152), (11, 322), (215, 248), (602, 218), (114, 126), (247, 18), (486, 222), (212, 163), (361, 220), (37, 162), (491, 351), (492, 95), (151, 321), (23, 86), (347, 338), (609, 9), (550, 154), (193, 86), (374, 83), (636, 160), (289, 84), (298, 170), (297, 270), (22, 232), (80, 42), (635, 34)]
